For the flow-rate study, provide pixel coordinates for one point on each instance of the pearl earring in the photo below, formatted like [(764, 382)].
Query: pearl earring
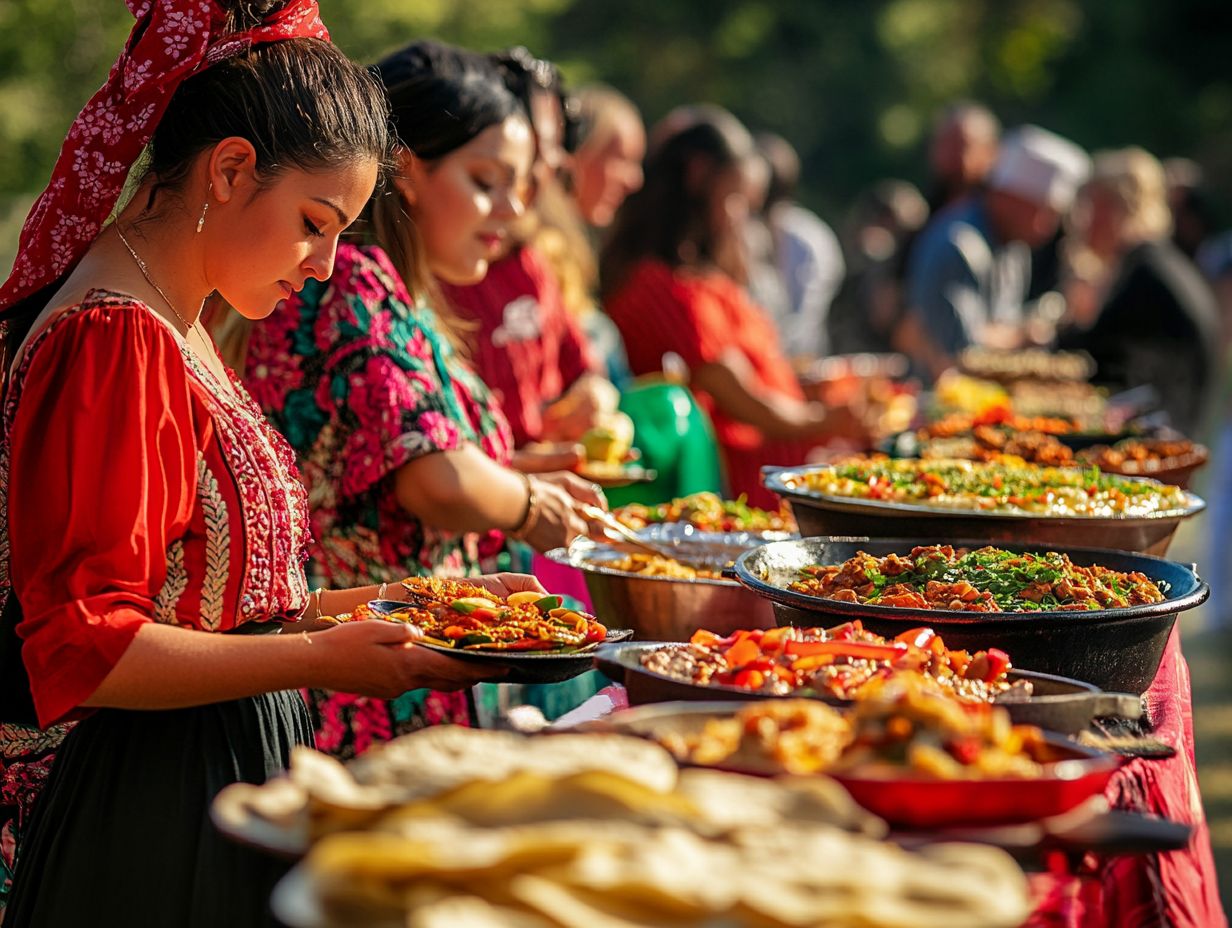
[(205, 207)]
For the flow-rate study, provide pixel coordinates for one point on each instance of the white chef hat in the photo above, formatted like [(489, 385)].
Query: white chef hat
[(1040, 166)]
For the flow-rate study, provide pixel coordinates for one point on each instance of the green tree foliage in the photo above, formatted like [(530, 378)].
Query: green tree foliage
[(854, 84)]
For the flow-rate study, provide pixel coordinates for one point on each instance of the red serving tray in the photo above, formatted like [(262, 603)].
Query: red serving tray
[(912, 802)]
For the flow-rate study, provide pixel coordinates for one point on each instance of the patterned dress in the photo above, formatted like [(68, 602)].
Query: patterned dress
[(134, 488), (359, 378)]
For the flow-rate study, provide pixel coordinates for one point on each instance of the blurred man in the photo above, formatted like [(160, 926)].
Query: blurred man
[(961, 152), (970, 269)]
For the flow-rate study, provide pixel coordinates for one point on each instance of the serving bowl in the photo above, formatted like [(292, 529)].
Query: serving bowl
[(667, 608), (1115, 649), (1073, 774), (1057, 703), (820, 514)]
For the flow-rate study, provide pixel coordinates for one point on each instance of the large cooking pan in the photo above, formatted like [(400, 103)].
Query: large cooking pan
[(1057, 704), (820, 514), (1116, 649)]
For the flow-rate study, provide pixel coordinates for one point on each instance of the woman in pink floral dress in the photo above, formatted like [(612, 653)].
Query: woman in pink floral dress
[(403, 450)]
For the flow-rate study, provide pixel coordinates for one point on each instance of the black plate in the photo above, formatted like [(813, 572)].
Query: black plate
[(1115, 649), (521, 666), (1059, 703)]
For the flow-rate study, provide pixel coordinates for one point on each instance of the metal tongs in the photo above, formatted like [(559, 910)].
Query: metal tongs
[(615, 527)]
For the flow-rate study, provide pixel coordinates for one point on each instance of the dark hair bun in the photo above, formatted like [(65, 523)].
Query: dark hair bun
[(244, 14)]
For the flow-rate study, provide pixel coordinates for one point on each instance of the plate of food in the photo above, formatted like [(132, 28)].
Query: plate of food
[(611, 475), (527, 637), (610, 458), (836, 665), (905, 751), (996, 501), (1171, 461), (1095, 614)]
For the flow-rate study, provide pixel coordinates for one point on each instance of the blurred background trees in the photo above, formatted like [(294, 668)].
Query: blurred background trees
[(854, 84)]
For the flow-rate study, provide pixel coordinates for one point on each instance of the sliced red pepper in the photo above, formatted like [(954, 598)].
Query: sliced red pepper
[(846, 631), (861, 650), (917, 637), (764, 664), (742, 652), (774, 638), (595, 631), (750, 679), (998, 663), (708, 639)]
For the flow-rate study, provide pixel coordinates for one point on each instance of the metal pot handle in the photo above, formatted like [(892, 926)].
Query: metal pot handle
[(1121, 705)]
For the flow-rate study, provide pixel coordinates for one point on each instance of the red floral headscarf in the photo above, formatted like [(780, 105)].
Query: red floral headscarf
[(171, 41)]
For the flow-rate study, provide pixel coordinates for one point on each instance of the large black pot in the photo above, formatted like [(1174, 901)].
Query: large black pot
[(820, 515), (1115, 649)]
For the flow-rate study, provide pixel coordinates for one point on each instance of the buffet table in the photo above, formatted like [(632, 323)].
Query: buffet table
[(1177, 889)]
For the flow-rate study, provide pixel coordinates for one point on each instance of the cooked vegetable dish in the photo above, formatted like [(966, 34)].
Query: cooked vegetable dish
[(900, 724), (462, 615), (985, 580), (708, 512), (994, 487), (837, 662)]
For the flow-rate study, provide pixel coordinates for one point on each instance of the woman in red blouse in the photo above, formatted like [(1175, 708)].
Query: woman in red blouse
[(669, 279), (153, 526)]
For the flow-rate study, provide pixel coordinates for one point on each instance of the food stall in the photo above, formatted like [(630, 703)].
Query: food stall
[(942, 689)]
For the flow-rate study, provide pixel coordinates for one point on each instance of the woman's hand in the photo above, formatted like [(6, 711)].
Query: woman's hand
[(558, 497), (381, 659), (579, 410), (505, 584)]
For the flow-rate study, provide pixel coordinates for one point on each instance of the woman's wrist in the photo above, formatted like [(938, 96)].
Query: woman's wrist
[(530, 515)]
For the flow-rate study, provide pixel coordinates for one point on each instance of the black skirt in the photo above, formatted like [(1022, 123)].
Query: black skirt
[(121, 834)]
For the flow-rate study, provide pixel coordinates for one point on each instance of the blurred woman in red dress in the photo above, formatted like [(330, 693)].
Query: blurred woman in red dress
[(669, 280)]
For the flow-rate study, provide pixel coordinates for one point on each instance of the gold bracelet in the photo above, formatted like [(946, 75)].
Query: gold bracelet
[(531, 518), (317, 596)]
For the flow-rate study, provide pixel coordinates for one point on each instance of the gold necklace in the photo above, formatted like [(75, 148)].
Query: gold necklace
[(149, 280)]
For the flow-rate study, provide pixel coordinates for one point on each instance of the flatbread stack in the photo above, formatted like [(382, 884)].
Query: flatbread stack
[(478, 829)]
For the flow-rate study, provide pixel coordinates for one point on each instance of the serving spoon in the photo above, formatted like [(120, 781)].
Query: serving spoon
[(630, 537)]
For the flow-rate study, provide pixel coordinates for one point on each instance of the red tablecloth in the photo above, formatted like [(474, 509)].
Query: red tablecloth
[(1178, 889)]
